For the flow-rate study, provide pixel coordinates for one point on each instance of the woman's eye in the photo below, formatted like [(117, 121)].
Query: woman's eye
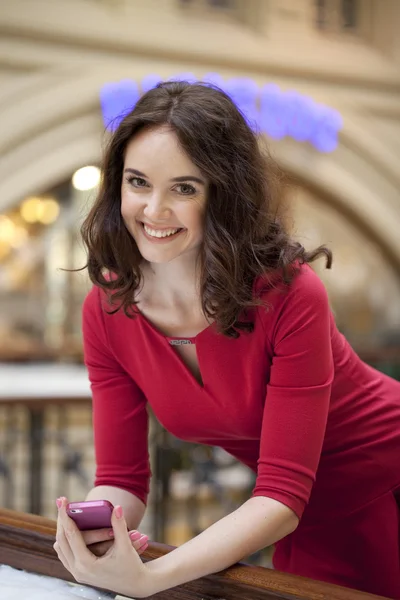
[(186, 189), (137, 181)]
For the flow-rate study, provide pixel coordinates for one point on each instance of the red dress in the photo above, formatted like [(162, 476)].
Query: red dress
[(291, 400)]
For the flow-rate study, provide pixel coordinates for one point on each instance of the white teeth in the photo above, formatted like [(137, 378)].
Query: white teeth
[(159, 234)]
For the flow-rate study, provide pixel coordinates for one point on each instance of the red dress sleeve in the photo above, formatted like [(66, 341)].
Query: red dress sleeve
[(120, 419), (298, 394)]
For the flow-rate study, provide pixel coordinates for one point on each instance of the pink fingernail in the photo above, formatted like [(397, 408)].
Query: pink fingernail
[(111, 533), (58, 502), (144, 538), (118, 512), (136, 535), (143, 548)]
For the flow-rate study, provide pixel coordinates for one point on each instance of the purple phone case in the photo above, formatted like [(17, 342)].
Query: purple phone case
[(95, 514)]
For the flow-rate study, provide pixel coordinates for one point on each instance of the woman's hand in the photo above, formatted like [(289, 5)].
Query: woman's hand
[(120, 569), (99, 541)]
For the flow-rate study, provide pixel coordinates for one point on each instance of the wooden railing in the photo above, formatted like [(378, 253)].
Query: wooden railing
[(26, 542)]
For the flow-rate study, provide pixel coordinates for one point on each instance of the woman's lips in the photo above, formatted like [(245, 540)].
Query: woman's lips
[(160, 240)]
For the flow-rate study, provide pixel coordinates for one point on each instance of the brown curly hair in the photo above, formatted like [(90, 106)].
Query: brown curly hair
[(243, 236)]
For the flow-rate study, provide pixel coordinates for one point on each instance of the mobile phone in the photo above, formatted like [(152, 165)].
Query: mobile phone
[(91, 514)]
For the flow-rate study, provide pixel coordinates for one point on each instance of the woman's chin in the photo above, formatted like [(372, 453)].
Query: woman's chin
[(163, 253), (158, 257), (158, 261)]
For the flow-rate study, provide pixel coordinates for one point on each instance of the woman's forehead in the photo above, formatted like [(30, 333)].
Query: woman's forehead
[(157, 151)]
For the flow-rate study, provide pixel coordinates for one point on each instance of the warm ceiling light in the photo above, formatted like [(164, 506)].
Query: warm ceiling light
[(30, 209), (19, 238), (86, 178), (4, 250), (7, 229), (48, 211)]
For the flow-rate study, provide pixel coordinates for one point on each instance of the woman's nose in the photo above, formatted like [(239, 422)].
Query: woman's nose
[(156, 207)]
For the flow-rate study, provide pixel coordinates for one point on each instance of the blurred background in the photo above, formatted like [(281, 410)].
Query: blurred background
[(320, 78)]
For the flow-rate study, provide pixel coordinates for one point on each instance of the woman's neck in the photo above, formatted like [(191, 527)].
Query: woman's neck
[(176, 282)]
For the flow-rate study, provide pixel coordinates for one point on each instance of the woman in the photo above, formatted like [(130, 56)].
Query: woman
[(205, 309)]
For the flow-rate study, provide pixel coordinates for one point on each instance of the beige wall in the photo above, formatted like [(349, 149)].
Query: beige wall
[(56, 54)]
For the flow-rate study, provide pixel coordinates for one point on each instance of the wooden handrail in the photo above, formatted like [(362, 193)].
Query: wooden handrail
[(26, 542)]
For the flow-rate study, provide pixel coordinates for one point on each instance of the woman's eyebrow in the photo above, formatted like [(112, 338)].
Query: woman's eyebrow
[(180, 179), (136, 172), (188, 178)]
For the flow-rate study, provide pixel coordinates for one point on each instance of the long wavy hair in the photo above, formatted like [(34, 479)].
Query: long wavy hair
[(244, 237)]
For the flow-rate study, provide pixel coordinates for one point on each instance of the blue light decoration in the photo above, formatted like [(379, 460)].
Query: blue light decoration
[(301, 116), (117, 100), (149, 82), (273, 111), (268, 109), (329, 122), (244, 93)]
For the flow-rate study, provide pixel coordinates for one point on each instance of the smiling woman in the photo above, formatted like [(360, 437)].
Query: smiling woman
[(162, 206), (205, 309)]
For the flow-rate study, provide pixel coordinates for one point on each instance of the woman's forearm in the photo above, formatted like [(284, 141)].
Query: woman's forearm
[(258, 523), (133, 508)]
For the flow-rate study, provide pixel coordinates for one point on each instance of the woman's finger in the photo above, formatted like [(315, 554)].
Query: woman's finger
[(61, 556), (122, 542), (62, 543), (93, 536), (76, 545), (138, 540), (143, 548)]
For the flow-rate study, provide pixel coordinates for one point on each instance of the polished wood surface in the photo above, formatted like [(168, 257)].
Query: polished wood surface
[(26, 542)]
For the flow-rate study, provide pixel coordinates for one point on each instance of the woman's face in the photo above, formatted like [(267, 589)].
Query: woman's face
[(163, 196)]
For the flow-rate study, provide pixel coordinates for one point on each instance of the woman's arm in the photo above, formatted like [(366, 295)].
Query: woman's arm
[(258, 523), (120, 420), (133, 508)]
